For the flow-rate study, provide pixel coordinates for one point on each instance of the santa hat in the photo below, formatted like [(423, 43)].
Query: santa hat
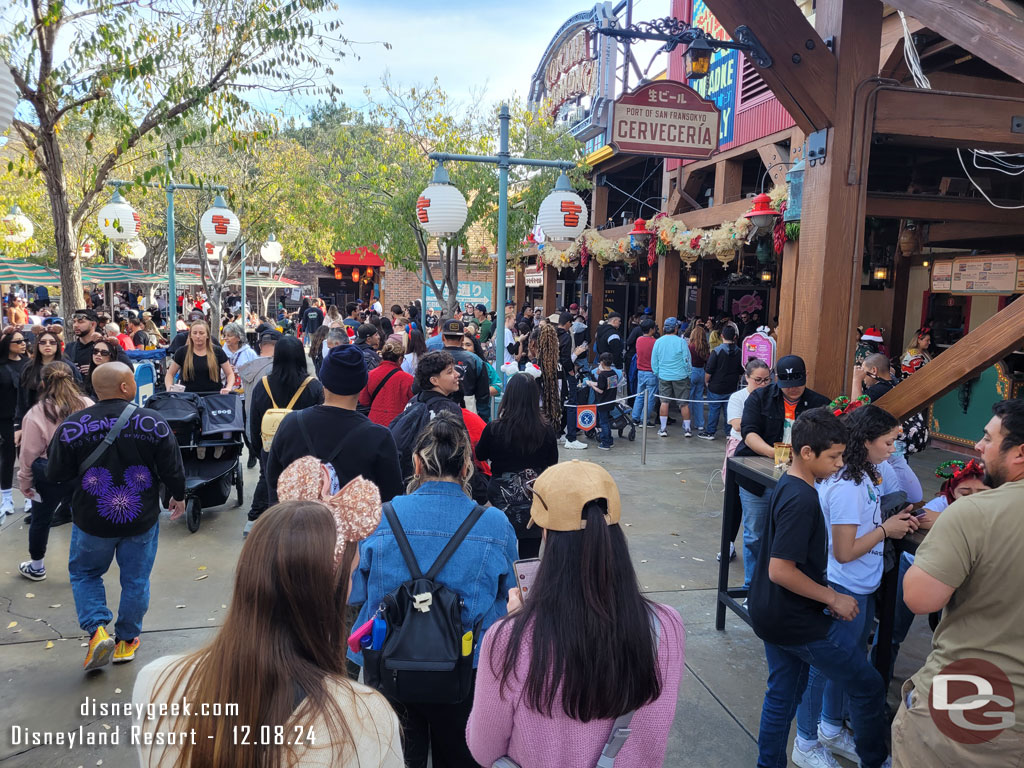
[(871, 334)]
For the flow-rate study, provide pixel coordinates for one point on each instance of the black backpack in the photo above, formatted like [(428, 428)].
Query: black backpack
[(427, 655), (405, 429)]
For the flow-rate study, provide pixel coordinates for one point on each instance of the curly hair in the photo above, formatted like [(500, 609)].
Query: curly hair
[(547, 359), (865, 424)]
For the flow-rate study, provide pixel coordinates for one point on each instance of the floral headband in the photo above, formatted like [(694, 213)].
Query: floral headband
[(842, 405), (356, 507)]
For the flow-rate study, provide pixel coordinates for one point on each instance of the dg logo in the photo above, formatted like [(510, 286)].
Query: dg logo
[(586, 419)]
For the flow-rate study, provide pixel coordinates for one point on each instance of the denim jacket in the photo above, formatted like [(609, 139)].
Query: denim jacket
[(480, 570)]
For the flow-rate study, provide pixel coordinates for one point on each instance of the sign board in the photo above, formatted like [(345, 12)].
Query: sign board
[(534, 279), (719, 85), (999, 274), (1020, 275), (760, 346), (469, 291), (666, 119), (942, 276)]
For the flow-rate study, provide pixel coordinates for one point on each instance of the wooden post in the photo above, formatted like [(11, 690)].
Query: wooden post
[(901, 288), (706, 282), (599, 207), (595, 286), (787, 297), (666, 300), (728, 181), (550, 289), (520, 286), (827, 284)]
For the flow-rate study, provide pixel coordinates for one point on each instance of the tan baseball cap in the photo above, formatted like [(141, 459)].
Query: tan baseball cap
[(562, 491)]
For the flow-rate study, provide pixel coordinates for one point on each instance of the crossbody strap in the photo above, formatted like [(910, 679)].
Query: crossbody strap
[(108, 441), (403, 542), (266, 386), (298, 392), (379, 387)]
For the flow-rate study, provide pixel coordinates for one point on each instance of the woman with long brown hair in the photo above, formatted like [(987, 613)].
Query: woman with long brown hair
[(700, 351), (59, 397), (278, 662), (201, 363)]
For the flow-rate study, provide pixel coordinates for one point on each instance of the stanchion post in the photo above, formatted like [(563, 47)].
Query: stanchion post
[(643, 429)]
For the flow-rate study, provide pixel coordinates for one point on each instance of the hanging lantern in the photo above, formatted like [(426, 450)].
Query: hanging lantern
[(698, 59), (338, 274), (219, 224), (441, 209), (692, 279), (881, 274), (272, 250), (216, 252), (118, 220), (88, 249), (766, 275), (369, 272), (639, 234), (563, 214), (762, 214), (764, 254), (17, 227), (135, 250), (9, 96), (794, 202), (355, 274), (909, 239)]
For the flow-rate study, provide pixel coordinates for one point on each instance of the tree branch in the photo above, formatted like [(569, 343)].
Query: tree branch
[(94, 96)]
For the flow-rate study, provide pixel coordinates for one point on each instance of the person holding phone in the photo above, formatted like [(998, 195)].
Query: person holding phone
[(551, 684)]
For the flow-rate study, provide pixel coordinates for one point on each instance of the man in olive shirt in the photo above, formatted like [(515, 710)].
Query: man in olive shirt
[(970, 567)]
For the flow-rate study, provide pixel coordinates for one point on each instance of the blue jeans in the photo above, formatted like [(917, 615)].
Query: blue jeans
[(716, 407), (90, 558), (697, 390), (646, 382), (903, 620), (604, 426), (826, 699), (788, 667), (755, 511)]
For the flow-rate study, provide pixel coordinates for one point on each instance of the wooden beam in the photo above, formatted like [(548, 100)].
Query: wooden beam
[(981, 86), (775, 157), (742, 151), (891, 59), (938, 209), (803, 72), (949, 119), (787, 277), (666, 301), (599, 206), (728, 181), (976, 26), (715, 215), (520, 287), (945, 232), (595, 286), (550, 289), (991, 341)]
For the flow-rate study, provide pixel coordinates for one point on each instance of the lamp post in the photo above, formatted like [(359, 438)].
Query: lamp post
[(271, 252), (119, 222), (449, 210)]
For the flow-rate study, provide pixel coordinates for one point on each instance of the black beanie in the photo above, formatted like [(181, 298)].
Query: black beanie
[(343, 371)]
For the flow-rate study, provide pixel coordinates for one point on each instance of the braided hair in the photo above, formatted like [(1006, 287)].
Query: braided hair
[(547, 359)]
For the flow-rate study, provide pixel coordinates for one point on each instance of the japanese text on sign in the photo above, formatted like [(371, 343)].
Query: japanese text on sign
[(421, 210), (571, 213)]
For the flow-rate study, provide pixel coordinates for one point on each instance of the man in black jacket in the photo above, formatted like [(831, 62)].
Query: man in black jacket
[(115, 507), (768, 417), (368, 342), (79, 351), (567, 356), (721, 377), (609, 339), (475, 381)]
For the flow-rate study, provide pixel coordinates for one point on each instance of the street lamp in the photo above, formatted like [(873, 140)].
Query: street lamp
[(441, 209), (118, 220), (272, 250), (698, 59), (8, 96), (219, 224), (17, 226), (762, 215), (135, 250), (562, 214), (674, 32)]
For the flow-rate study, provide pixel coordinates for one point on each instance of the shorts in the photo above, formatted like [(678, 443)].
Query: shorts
[(680, 390)]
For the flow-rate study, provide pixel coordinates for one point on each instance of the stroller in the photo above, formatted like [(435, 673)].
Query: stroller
[(621, 418), (209, 433)]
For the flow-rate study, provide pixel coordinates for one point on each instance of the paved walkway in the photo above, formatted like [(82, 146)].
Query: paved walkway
[(672, 513)]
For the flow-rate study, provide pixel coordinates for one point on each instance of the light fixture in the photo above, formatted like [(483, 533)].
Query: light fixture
[(219, 224), (441, 209), (338, 274), (271, 251), (88, 249), (118, 220), (643, 279), (355, 274), (639, 234), (135, 250), (216, 252), (926, 263), (692, 279), (17, 226), (698, 59), (766, 275), (562, 214), (762, 215), (9, 96), (369, 272), (881, 274)]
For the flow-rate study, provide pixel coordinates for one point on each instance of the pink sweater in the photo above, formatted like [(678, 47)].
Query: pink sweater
[(503, 725), (36, 433)]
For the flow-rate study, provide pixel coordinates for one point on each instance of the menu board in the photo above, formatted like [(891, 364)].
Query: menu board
[(942, 276), (995, 274), (1020, 275)]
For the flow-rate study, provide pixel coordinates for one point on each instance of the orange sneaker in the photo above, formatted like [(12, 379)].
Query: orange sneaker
[(101, 646), (125, 651)]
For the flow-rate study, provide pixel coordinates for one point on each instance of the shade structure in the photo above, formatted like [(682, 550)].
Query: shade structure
[(267, 282), (17, 271), (115, 273)]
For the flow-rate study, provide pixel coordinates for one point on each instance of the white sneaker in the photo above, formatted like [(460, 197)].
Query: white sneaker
[(6, 506), (817, 757), (575, 445), (28, 506), (842, 744), (662, 433)]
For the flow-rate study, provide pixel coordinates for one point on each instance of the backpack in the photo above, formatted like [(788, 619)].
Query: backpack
[(426, 655), (273, 417), (405, 429)]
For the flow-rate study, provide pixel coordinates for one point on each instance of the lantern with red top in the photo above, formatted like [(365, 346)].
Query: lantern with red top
[(762, 215), (638, 235)]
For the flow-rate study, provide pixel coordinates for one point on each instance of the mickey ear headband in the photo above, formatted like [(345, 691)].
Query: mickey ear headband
[(842, 405)]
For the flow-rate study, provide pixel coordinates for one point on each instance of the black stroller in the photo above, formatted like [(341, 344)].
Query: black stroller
[(621, 418), (209, 432)]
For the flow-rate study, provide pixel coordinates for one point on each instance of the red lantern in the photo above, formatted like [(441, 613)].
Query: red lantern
[(639, 229), (355, 274), (762, 214), (369, 272), (338, 274)]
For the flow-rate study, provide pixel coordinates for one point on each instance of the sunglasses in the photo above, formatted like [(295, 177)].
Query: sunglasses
[(47, 342), (100, 353), (17, 341)]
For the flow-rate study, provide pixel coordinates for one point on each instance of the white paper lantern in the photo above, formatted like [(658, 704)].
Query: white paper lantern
[(441, 209), (17, 227), (219, 224), (214, 251), (9, 96), (271, 251), (88, 249), (118, 220), (135, 250), (563, 214)]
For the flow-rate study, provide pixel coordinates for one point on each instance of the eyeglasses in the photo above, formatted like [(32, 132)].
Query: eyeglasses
[(765, 380), (100, 353)]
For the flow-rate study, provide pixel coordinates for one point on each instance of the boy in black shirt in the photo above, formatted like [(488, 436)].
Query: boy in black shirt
[(605, 386), (788, 598)]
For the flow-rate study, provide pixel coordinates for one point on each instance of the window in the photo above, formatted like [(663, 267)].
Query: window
[(752, 87)]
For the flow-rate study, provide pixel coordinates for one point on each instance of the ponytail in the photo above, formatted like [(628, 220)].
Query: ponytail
[(445, 451), (58, 392)]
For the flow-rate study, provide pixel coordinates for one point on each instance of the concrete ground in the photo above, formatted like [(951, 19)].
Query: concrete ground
[(672, 514)]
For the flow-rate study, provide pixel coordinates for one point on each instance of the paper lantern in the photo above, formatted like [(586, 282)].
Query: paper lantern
[(135, 250), (563, 214), (219, 224), (355, 274), (271, 251), (441, 209), (213, 251), (9, 96), (118, 220), (88, 249), (17, 227), (369, 271)]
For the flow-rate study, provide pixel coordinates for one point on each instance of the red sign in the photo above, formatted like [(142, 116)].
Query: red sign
[(665, 119), (572, 213), (421, 210), (220, 224)]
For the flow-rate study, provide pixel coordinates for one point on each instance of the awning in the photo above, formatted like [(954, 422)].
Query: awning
[(18, 271), (359, 257), (116, 273)]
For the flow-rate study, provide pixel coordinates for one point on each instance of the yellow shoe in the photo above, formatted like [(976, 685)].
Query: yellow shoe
[(125, 651), (100, 648)]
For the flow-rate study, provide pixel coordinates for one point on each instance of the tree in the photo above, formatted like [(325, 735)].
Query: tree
[(140, 70)]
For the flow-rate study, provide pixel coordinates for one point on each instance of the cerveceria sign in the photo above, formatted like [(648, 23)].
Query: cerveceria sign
[(666, 119)]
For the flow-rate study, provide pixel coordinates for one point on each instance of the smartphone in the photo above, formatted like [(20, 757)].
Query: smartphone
[(526, 572)]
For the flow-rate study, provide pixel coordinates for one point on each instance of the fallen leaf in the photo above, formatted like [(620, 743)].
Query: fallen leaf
[(12, 625), (200, 578), (49, 644), (99, 762), (29, 595), (628, 525), (643, 561), (107, 727), (682, 479), (16, 631), (673, 534), (201, 568), (179, 606), (55, 605), (699, 559)]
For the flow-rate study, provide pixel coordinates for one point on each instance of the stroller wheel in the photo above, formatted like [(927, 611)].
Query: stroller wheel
[(239, 485), (632, 433), (193, 514)]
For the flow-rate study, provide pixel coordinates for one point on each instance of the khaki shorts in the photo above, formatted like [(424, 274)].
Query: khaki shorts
[(680, 390)]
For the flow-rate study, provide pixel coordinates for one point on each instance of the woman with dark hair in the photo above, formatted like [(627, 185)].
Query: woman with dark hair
[(851, 501), (471, 343), (560, 674), (277, 664), (550, 372), (520, 444), (700, 351), (480, 572), (105, 351), (318, 347), (13, 360), (59, 397), (48, 350), (415, 348), (388, 388)]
